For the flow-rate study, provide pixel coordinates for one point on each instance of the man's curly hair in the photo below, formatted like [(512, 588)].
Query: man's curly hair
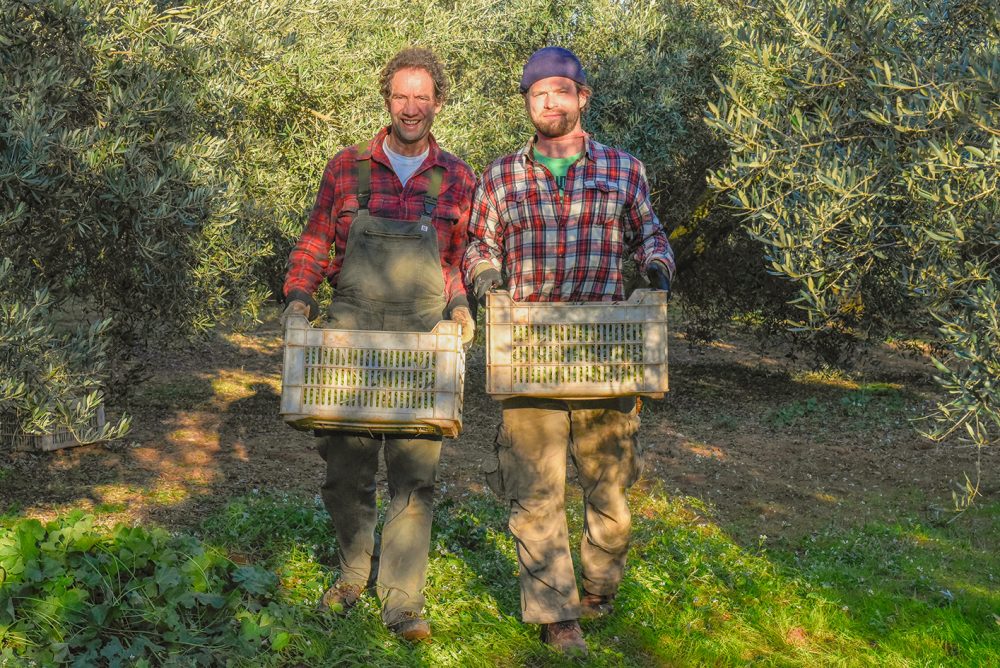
[(419, 58)]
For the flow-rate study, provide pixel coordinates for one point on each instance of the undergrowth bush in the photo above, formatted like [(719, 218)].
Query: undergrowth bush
[(73, 595), (54, 378)]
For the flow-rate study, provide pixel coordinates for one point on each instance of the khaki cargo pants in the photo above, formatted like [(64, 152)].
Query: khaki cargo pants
[(530, 472)]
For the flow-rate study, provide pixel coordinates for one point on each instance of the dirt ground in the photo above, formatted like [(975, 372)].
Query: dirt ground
[(773, 448)]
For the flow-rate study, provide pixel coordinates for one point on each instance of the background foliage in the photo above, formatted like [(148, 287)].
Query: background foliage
[(158, 159), (865, 143)]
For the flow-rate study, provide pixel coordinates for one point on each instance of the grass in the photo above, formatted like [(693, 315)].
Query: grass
[(179, 392), (905, 593), (868, 406), (109, 508)]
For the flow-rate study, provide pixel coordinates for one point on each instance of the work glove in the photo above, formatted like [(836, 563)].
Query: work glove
[(485, 281), (659, 277), (463, 316), (295, 307)]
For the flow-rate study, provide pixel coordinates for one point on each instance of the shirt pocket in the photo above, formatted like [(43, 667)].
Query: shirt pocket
[(600, 223), (446, 216), (604, 203), (349, 209), (521, 210)]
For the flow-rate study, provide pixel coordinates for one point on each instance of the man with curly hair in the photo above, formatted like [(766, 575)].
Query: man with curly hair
[(395, 212)]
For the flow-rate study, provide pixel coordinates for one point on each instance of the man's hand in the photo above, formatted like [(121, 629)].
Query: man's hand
[(659, 277), (295, 307), (485, 281), (463, 316)]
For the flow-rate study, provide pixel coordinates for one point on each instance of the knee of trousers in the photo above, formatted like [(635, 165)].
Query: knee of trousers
[(537, 520), (416, 499), (611, 540), (341, 483)]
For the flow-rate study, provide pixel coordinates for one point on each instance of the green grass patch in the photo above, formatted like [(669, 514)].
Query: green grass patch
[(911, 584), (109, 508), (725, 422), (10, 516), (896, 594), (792, 412), (869, 406)]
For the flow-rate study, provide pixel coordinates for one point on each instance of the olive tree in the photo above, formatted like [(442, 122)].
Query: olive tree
[(865, 151), (115, 208)]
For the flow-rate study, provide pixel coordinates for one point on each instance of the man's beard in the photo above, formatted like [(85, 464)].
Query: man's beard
[(555, 128)]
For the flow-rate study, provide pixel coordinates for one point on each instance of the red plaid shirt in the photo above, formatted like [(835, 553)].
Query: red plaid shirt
[(337, 202), (568, 247)]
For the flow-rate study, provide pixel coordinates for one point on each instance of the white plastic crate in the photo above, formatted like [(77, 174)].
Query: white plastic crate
[(12, 436), (578, 350), (379, 382)]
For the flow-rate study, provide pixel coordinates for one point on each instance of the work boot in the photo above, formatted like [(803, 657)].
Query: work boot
[(565, 637), (411, 627), (340, 598), (595, 606)]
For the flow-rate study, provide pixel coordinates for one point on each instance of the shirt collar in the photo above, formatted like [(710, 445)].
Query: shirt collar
[(527, 154), (375, 151)]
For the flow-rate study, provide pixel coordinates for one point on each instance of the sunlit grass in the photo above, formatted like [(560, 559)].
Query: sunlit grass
[(167, 495), (904, 593), (234, 384), (692, 595)]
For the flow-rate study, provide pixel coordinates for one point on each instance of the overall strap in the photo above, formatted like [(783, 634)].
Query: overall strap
[(364, 182), (433, 190)]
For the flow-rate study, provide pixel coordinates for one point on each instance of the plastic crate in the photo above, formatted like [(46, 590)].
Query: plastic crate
[(377, 382), (578, 350), (12, 436)]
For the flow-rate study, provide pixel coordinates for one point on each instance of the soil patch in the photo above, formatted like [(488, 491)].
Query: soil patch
[(774, 448)]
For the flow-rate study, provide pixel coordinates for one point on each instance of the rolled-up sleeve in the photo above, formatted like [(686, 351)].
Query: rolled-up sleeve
[(309, 260), (485, 248), (647, 236)]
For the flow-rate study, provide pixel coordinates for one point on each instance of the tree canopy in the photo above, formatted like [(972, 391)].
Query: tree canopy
[(828, 166)]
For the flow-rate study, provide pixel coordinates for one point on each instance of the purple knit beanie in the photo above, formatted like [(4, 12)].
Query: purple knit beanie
[(552, 61)]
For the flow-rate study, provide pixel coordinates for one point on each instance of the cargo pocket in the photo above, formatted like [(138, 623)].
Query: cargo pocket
[(493, 467), (636, 455), (322, 445)]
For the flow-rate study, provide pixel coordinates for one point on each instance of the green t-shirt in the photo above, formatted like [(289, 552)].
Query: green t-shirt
[(558, 166)]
